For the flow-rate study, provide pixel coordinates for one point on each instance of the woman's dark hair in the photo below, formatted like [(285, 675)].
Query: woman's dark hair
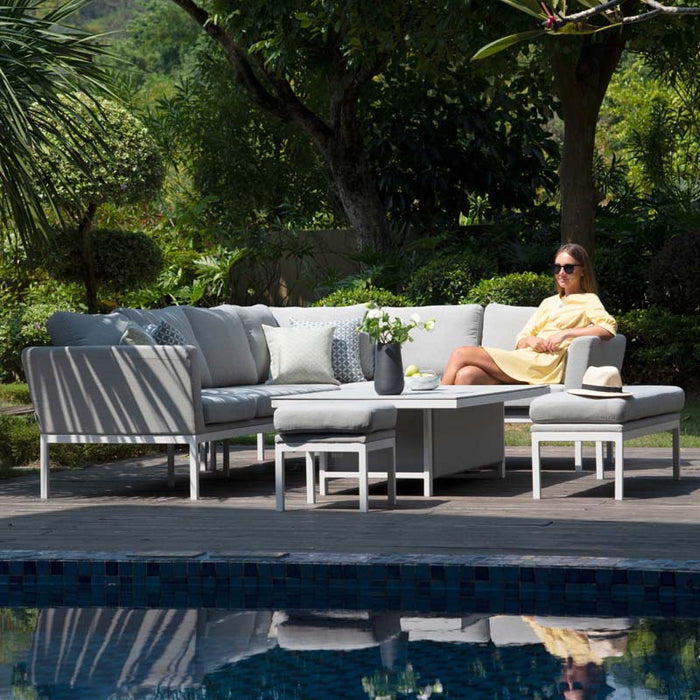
[(579, 254)]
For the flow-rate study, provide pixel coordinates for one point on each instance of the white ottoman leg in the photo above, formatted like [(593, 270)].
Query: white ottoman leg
[(322, 469), (310, 478), (578, 456), (676, 437), (536, 485), (619, 468), (599, 461), (279, 477), (261, 447), (362, 473), (194, 468)]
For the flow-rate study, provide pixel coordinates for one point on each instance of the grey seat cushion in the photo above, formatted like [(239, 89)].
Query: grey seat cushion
[(645, 402), (67, 328), (264, 393), (502, 323), (227, 406), (335, 417), (224, 342)]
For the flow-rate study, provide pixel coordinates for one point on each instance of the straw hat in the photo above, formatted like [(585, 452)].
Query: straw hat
[(601, 382)]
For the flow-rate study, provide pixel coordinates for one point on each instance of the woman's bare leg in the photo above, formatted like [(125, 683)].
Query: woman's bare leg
[(468, 356), (474, 375)]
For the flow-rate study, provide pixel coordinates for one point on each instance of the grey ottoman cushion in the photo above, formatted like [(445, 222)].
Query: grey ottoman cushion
[(646, 401), (67, 328), (335, 418), (224, 342), (264, 393), (227, 405), (294, 439)]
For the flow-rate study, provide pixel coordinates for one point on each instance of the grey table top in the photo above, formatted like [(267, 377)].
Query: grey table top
[(441, 397)]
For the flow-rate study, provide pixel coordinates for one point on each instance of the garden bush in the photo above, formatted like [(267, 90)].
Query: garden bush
[(21, 327), (347, 296), (662, 348), (516, 289), (19, 446), (621, 272), (449, 277), (674, 274)]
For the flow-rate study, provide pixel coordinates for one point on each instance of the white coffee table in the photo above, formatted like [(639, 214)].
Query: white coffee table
[(440, 432)]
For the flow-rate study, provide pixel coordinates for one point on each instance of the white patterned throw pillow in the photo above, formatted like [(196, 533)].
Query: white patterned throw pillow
[(300, 355), (345, 351)]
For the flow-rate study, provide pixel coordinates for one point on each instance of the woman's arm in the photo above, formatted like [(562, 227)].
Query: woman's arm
[(553, 342)]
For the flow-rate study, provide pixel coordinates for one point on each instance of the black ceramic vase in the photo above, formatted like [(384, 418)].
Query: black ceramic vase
[(388, 369)]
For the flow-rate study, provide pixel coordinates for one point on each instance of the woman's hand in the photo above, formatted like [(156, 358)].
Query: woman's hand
[(532, 341), (553, 342)]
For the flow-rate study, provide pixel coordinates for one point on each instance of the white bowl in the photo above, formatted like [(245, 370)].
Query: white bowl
[(425, 383)]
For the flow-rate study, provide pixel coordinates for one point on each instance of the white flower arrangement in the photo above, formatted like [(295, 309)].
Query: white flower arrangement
[(382, 329)]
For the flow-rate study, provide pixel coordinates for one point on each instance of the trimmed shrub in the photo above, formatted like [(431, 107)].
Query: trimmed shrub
[(448, 278), (662, 348), (123, 259), (516, 289), (347, 296), (674, 275), (19, 328)]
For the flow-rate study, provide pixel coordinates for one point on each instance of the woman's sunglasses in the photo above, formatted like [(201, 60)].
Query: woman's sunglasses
[(575, 685), (568, 268)]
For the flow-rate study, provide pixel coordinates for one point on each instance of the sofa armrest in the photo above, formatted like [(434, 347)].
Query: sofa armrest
[(589, 351), (115, 390)]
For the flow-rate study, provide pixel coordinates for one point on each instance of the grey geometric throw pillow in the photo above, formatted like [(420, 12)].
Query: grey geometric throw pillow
[(345, 350), (165, 334)]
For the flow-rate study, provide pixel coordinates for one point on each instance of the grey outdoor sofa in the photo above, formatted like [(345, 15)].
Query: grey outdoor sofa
[(89, 389)]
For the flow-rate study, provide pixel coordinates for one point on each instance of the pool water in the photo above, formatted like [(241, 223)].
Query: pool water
[(103, 653)]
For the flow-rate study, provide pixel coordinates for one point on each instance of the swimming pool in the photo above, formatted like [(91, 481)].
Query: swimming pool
[(343, 626)]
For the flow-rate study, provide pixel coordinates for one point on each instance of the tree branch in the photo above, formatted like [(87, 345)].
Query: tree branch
[(285, 105), (656, 9)]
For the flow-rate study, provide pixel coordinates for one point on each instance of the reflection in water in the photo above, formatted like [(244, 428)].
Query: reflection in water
[(119, 653)]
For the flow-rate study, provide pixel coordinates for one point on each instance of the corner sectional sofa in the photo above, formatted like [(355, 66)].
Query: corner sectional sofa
[(89, 388)]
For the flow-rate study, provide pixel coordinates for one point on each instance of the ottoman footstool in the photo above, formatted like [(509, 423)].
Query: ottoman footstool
[(337, 428), (565, 417)]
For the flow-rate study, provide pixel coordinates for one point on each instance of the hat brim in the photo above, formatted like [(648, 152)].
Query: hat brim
[(600, 394)]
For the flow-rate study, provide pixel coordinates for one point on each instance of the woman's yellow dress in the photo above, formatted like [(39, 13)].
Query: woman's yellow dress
[(554, 314)]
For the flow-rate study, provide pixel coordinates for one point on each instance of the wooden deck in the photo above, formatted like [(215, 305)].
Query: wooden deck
[(127, 507)]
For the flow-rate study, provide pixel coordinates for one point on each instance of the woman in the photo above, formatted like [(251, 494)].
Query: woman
[(540, 351)]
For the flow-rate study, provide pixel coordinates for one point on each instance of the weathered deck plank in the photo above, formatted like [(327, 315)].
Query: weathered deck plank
[(127, 507)]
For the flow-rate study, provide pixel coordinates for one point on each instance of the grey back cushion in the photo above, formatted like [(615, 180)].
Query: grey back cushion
[(176, 317), (253, 318), (224, 342), (455, 326), (67, 328), (502, 323), (284, 315)]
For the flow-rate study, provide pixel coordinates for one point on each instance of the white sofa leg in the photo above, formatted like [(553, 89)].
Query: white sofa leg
[(261, 447), (536, 479), (194, 468), (171, 466), (279, 478), (44, 461), (619, 468), (578, 456)]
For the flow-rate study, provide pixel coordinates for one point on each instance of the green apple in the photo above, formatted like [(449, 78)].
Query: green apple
[(411, 370)]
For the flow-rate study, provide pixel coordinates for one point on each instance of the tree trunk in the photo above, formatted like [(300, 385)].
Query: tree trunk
[(581, 82), (88, 255)]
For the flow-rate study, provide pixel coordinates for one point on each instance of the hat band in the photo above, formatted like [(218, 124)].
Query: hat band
[(608, 389)]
